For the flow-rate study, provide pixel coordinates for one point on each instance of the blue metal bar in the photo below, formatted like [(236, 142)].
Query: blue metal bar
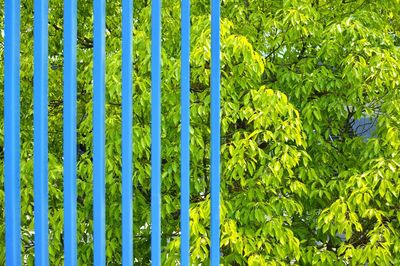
[(11, 131), (40, 80), (69, 117), (155, 132), (215, 130), (127, 220), (185, 132), (99, 218)]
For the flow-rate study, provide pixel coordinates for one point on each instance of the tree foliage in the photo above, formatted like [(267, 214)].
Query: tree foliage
[(300, 182)]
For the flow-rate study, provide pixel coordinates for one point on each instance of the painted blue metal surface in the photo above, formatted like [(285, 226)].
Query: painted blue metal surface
[(11, 132), (185, 132), (40, 88), (69, 117), (127, 219), (215, 131), (99, 217), (156, 132), (12, 129)]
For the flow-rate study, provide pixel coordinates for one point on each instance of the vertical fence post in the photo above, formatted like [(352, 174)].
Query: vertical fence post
[(127, 222), (40, 80), (69, 117), (11, 131), (99, 218), (215, 131), (155, 132), (185, 132)]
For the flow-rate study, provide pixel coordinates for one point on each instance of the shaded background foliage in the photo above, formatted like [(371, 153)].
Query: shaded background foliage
[(300, 183)]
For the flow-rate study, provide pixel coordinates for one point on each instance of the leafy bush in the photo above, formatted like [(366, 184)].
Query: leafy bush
[(299, 184)]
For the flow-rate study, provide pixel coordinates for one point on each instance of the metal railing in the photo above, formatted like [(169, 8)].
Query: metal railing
[(12, 130)]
